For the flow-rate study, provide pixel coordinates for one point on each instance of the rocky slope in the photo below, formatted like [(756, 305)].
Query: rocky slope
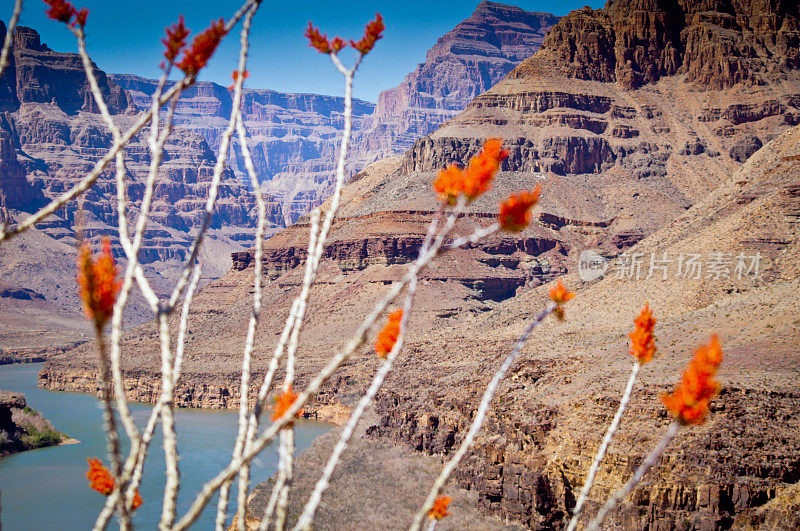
[(465, 62), (23, 428), (668, 166)]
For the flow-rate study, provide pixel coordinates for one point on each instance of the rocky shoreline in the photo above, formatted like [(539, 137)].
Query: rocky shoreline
[(23, 428), (193, 391)]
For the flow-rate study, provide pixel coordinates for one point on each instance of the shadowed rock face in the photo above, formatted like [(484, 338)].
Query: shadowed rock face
[(37, 74), (463, 63)]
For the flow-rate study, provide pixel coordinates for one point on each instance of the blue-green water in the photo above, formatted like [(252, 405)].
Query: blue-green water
[(47, 488)]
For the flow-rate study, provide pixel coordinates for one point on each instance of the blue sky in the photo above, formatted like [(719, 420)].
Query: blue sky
[(125, 37)]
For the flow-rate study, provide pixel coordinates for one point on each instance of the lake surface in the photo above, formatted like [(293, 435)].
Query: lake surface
[(47, 488)]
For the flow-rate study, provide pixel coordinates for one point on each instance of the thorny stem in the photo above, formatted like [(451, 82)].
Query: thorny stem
[(601, 452), (132, 473), (273, 501), (309, 511), (312, 263), (109, 424), (156, 144), (244, 473), (648, 463), (90, 178), (9, 39), (477, 422), (244, 389), (168, 427), (258, 444)]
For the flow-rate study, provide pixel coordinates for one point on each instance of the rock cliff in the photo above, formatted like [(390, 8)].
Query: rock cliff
[(635, 158), (23, 428), (51, 135), (465, 62), (293, 137)]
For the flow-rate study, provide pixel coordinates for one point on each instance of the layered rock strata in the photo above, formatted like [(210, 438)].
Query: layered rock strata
[(625, 170), (51, 135), (465, 62), (294, 138)]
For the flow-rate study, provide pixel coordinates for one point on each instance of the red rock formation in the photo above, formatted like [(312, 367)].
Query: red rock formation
[(463, 63), (50, 135), (716, 43), (294, 137)]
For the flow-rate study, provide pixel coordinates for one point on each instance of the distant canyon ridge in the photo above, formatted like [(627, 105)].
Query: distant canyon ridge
[(51, 134)]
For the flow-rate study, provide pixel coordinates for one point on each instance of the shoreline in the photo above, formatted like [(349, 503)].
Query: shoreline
[(192, 392)]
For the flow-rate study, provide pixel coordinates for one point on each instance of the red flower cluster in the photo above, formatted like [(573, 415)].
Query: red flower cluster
[(476, 178), (322, 44), (372, 33), (643, 343), (283, 402), (439, 509), (388, 336), (63, 11), (99, 477), (202, 48), (98, 283), (235, 76), (101, 481), (559, 295), (515, 212), (690, 400), (176, 39), (317, 40)]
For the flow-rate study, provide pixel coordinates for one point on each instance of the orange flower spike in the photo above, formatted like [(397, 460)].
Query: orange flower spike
[(99, 477), (439, 509), (482, 169), (137, 500), (338, 44), (643, 345), (235, 76), (80, 18), (388, 336), (176, 39), (689, 402), (515, 212), (283, 402), (202, 48), (372, 33), (449, 184), (317, 40), (98, 283), (559, 295), (61, 11)]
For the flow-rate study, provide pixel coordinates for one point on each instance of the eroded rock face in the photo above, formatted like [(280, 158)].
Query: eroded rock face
[(621, 101), (38, 74), (463, 63), (51, 136), (294, 138), (716, 44)]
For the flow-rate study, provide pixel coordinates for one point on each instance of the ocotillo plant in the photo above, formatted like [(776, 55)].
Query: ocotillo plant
[(105, 298)]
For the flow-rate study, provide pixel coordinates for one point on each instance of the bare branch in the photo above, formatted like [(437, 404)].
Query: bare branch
[(9, 40), (648, 463), (477, 422), (601, 452)]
